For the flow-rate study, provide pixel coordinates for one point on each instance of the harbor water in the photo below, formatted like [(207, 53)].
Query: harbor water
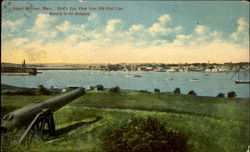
[(204, 84)]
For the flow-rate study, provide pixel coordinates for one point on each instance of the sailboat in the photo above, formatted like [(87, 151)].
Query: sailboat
[(241, 80), (138, 75)]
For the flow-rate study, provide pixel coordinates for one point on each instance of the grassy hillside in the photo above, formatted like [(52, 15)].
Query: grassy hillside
[(212, 124)]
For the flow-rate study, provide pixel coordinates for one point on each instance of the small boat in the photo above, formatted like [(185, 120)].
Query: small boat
[(242, 81), (194, 80), (138, 74), (245, 72)]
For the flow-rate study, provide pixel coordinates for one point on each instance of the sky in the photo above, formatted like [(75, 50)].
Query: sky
[(134, 32)]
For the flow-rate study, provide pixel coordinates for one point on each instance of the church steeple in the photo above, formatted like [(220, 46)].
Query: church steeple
[(23, 65)]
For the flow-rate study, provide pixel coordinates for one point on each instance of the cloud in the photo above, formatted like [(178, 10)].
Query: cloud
[(44, 28), (72, 39), (215, 34), (183, 37), (136, 28), (200, 37), (242, 24), (111, 41), (182, 40), (15, 43), (165, 19), (45, 21), (242, 32), (113, 25), (47, 28), (64, 27), (161, 29), (94, 18), (200, 29), (137, 32), (137, 35), (19, 41), (12, 23), (157, 28), (12, 26)]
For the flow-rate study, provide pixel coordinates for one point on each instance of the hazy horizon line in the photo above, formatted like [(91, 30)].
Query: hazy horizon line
[(125, 63)]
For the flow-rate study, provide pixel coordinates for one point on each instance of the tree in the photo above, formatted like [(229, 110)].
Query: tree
[(177, 91), (231, 94), (157, 90), (221, 95), (43, 90), (115, 89), (192, 93)]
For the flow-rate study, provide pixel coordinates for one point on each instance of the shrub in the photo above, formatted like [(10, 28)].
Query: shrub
[(26, 92), (191, 93), (43, 90), (177, 91), (92, 88), (157, 90), (97, 87), (231, 94), (18, 92), (221, 95), (144, 91), (142, 135), (115, 89)]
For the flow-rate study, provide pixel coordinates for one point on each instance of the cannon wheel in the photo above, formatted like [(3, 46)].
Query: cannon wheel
[(39, 123)]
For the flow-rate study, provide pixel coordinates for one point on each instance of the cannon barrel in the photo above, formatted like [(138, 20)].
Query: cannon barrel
[(25, 115)]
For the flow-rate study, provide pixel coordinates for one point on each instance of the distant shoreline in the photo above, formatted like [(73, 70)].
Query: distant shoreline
[(156, 67)]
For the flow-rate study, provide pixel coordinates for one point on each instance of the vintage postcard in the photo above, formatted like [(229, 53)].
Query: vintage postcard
[(125, 76)]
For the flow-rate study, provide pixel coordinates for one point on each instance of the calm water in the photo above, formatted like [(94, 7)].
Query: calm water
[(208, 85)]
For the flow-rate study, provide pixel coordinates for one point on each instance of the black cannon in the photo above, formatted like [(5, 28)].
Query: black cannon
[(38, 115)]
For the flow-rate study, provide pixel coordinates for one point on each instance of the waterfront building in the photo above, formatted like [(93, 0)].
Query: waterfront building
[(22, 70)]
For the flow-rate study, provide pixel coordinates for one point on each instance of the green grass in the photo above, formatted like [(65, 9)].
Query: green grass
[(212, 124), (11, 103)]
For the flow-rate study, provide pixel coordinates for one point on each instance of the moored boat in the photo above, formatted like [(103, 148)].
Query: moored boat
[(194, 80), (246, 75), (242, 81)]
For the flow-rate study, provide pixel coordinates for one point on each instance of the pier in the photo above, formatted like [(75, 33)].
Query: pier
[(22, 70)]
